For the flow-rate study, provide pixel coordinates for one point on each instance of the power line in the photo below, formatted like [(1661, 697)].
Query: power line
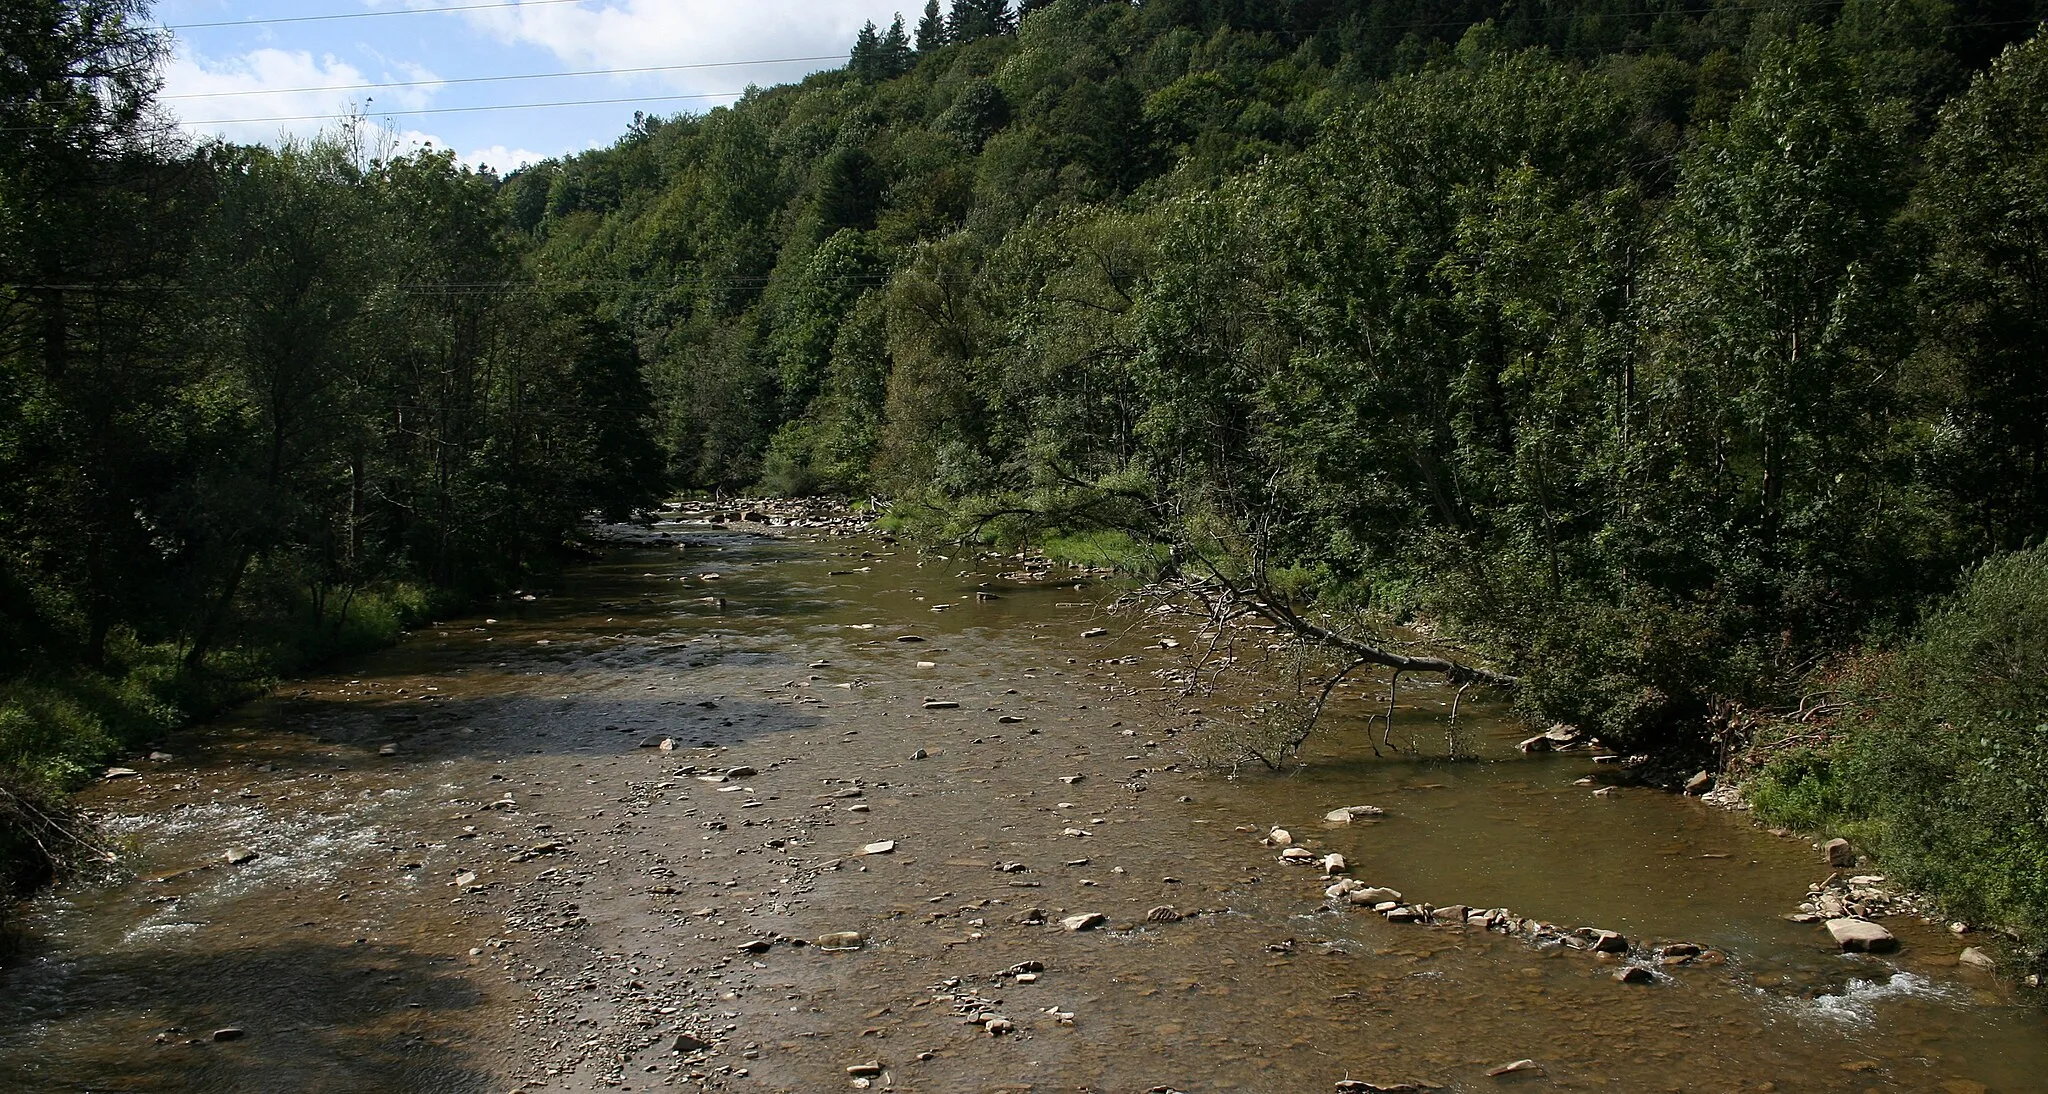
[(361, 15), (470, 109), (503, 79)]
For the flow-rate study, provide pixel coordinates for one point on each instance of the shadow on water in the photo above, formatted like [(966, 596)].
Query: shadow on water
[(314, 1016)]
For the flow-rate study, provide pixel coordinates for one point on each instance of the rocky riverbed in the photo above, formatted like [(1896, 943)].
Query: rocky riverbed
[(811, 812)]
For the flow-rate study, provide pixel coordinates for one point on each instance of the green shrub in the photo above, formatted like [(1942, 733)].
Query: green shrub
[(1945, 774)]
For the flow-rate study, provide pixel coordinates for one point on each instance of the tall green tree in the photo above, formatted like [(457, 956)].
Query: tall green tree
[(1985, 296), (931, 28)]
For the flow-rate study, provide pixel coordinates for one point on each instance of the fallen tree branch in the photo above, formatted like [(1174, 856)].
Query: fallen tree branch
[(1232, 602)]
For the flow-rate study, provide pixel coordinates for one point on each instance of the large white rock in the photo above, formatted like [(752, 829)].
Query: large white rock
[(1861, 936)]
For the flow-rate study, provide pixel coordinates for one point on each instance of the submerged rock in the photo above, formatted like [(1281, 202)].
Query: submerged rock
[(1349, 813)]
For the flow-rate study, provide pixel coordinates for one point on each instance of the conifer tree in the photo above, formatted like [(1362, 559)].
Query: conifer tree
[(972, 19), (931, 28), (896, 52), (866, 62)]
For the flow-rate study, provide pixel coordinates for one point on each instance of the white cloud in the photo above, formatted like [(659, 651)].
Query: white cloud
[(501, 159), (647, 33), (258, 95)]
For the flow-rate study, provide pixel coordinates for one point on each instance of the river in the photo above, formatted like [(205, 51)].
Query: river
[(586, 843)]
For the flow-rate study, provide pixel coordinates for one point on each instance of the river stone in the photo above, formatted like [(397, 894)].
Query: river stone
[(920, 754), (1455, 915), (121, 773), (941, 704), (1297, 854), (1976, 959), (1029, 917), (231, 1033), (865, 1071), (1840, 854), (839, 941), (1861, 936), (1516, 1067), (1402, 914), (1281, 837), (1635, 974), (880, 847), (1699, 784), (686, 1044), (1374, 895), (1165, 913), (1334, 863), (236, 856), (999, 1025), (1086, 921), (1609, 942), (741, 773), (1095, 632), (1349, 813), (1343, 888), (1538, 743)]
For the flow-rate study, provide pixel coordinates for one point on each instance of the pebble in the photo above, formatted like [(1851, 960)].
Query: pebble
[(880, 847), (940, 704), (840, 941)]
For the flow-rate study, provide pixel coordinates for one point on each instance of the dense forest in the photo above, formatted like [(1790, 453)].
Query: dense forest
[(1681, 358)]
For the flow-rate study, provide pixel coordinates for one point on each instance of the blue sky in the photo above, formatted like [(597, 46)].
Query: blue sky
[(266, 66)]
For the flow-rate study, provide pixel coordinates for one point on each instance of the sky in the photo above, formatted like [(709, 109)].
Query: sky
[(255, 82)]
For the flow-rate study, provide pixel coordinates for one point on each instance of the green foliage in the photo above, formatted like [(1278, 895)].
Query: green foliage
[(1947, 775)]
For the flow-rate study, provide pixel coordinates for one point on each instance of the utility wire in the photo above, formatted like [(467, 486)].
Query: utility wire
[(360, 15), (468, 109), (501, 79)]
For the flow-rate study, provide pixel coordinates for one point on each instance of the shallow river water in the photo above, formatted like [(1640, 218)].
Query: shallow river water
[(508, 855)]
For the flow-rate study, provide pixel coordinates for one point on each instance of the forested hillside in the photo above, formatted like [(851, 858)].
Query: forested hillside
[(1664, 349), (1667, 354)]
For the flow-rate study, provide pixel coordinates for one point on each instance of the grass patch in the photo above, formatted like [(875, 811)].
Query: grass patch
[(1115, 550)]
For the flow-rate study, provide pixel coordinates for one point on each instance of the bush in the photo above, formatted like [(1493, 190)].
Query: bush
[(1945, 773)]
